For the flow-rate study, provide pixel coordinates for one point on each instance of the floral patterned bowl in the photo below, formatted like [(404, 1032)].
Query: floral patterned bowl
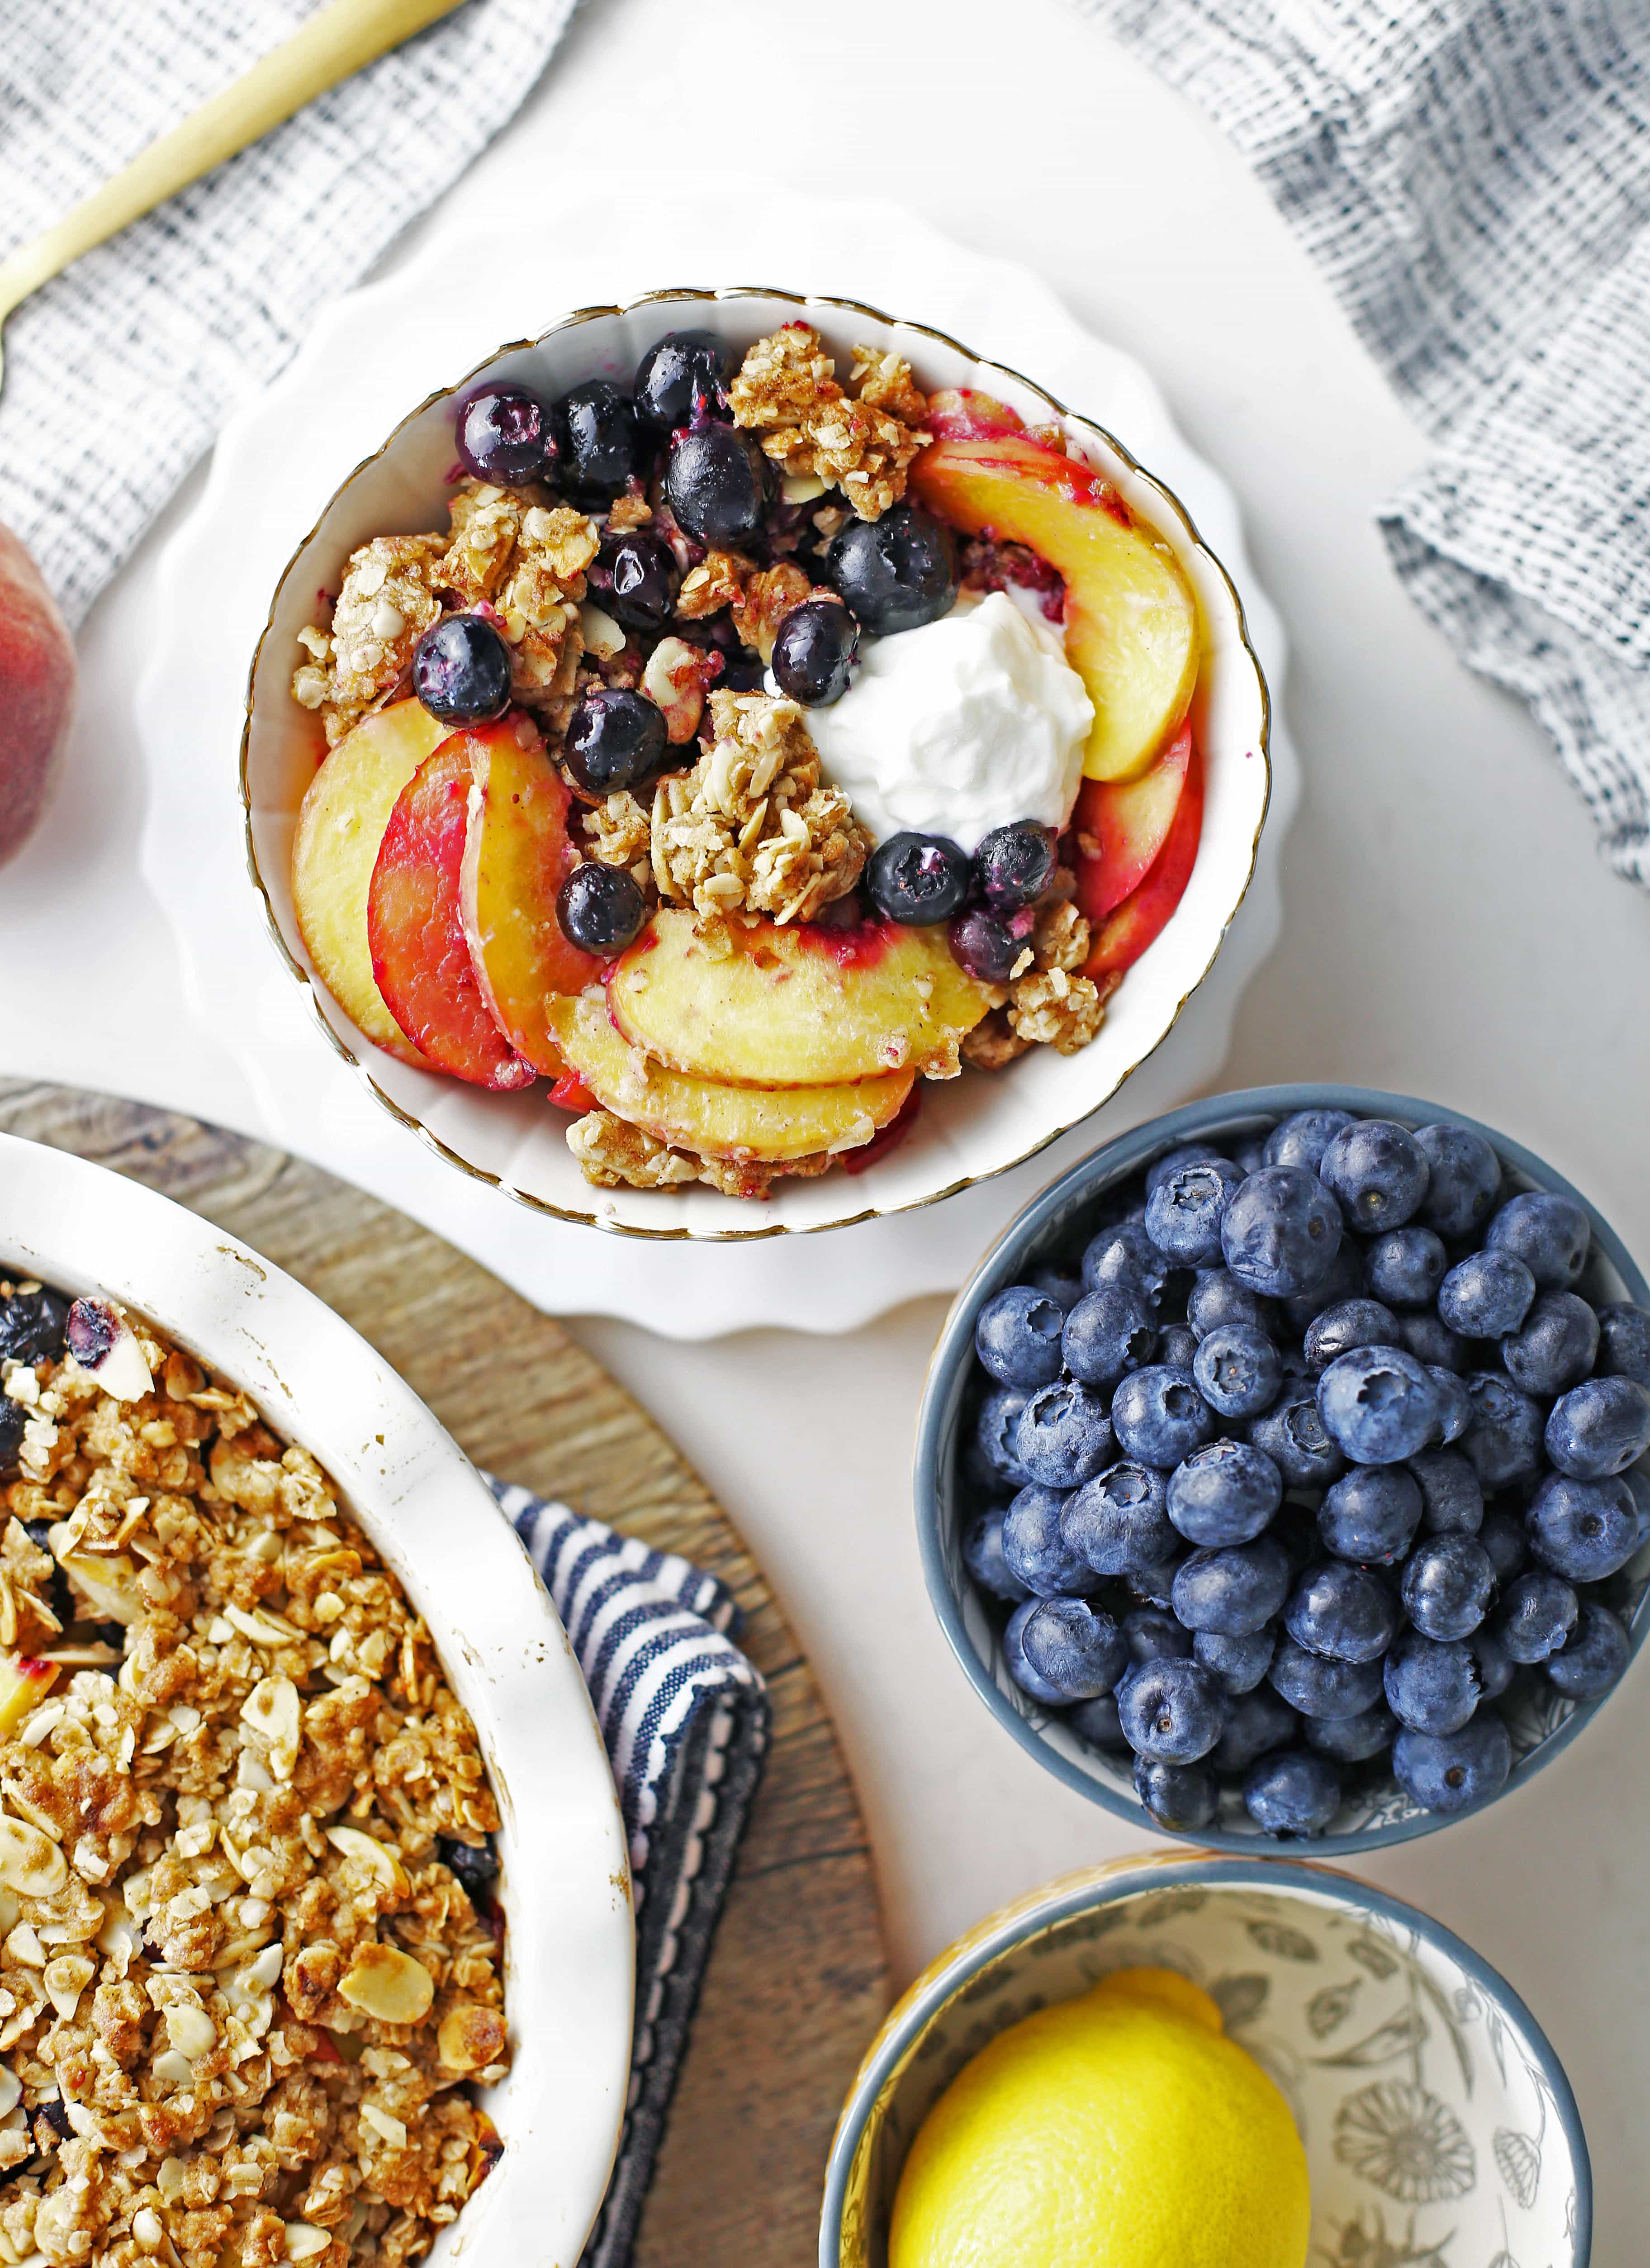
[(1375, 1810), (1440, 2128)]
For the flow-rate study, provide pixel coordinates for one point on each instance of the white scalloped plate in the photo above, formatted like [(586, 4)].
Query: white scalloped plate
[(372, 361)]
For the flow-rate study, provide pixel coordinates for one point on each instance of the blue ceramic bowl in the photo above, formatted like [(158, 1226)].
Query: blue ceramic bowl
[(1055, 1225), (1438, 2122)]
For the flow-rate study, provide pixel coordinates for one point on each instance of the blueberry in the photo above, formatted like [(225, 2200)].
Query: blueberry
[(1217, 1298), (503, 436), (1234, 1591), (32, 1325), (1153, 1634), (1097, 1722), (1351, 1740), (1599, 1427), (1406, 1266), (1293, 1435), (1549, 1234), (896, 572), (1291, 1792), (1377, 1172), (1125, 1255), (1155, 1587), (1063, 1438), (1237, 1663), (1250, 1156), (1255, 1722), (1449, 1585), (1624, 1350), (13, 1416), (1117, 1521), (1338, 1331), (1451, 1771), (1159, 1415), (1034, 1548), (595, 438), (1504, 1439), (982, 1556), (986, 946), (1061, 1286), (1594, 1658), (475, 1865), (1431, 1342), (1466, 1178), (1538, 1612), (917, 879), (635, 577), (601, 909), (1486, 1295), (461, 670), (1583, 1530), (1371, 1516), (1170, 1161), (718, 485), (615, 740), (1014, 866), (1184, 1211), (1503, 1538), (994, 1430), (683, 373), (1183, 1798), (1491, 1660), (1303, 1139), (814, 652), (1224, 1493), (1237, 1371), (1556, 1345), (1454, 1404), (1342, 1612), (1176, 1348), (1018, 1335), (1171, 1710), (1378, 1405), (1453, 1500), (1344, 1281), (1280, 1232), (1108, 1333), (1431, 1685), (1059, 1650), (1318, 1687)]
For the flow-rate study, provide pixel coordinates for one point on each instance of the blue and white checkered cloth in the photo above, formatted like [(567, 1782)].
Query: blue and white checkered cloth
[(686, 1720)]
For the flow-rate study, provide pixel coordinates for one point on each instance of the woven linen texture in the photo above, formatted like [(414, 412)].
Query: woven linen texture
[(1474, 178)]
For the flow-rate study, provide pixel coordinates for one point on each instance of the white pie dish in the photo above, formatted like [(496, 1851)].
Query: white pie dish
[(971, 1128), (570, 1943)]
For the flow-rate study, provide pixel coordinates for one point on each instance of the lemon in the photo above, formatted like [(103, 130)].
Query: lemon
[(1120, 2129)]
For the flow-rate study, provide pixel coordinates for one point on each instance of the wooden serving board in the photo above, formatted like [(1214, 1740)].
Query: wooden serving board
[(797, 1981)]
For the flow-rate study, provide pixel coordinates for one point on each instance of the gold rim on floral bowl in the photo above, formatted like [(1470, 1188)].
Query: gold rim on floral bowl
[(455, 1126)]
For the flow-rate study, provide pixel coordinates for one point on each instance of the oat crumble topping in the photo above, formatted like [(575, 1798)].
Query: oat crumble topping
[(613, 1154), (242, 1987), (786, 393)]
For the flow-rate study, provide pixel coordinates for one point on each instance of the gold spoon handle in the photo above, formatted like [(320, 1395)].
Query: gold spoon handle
[(335, 42)]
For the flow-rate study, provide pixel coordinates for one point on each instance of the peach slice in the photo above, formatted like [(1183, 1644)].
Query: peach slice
[(771, 1124), (962, 413), (346, 809), (1131, 618), (1128, 823), (793, 1007), (517, 855), (23, 1682), (1132, 927), (421, 963)]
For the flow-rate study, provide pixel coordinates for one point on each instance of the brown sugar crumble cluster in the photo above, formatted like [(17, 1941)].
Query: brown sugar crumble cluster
[(658, 589), (249, 1963)]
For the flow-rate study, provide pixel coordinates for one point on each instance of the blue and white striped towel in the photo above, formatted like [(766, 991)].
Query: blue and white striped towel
[(686, 1720)]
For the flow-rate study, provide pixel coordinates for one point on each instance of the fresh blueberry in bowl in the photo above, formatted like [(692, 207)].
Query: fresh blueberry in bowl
[(895, 573), (718, 485), (601, 909), (814, 652), (597, 447), (986, 945), (917, 879), (461, 670), (1014, 866), (1063, 1650), (1017, 1336), (1448, 1566), (1036, 1550), (503, 436), (615, 739), (1064, 1437), (681, 378), (635, 577)]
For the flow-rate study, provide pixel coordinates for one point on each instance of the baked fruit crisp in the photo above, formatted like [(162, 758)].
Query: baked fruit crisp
[(752, 745), (250, 1960)]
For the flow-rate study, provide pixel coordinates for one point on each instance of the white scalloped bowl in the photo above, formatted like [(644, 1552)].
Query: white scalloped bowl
[(970, 1127), (570, 1938)]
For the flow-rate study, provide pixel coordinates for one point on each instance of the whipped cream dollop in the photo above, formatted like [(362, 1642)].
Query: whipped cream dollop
[(958, 727)]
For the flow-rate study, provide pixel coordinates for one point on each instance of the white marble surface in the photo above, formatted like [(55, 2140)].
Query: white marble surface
[(1448, 930)]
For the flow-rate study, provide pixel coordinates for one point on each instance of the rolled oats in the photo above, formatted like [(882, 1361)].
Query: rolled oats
[(787, 393), (241, 1990)]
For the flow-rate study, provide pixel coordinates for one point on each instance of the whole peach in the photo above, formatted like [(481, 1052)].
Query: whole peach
[(37, 692)]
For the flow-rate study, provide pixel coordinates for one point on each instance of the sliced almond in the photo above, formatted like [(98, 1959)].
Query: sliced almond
[(262, 1629), (386, 2124), (470, 2036), (110, 1584), (66, 1979), (271, 1708), (30, 1863), (384, 1982), (10, 2090), (191, 2031), (379, 1860), (304, 2241), (174, 2069)]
